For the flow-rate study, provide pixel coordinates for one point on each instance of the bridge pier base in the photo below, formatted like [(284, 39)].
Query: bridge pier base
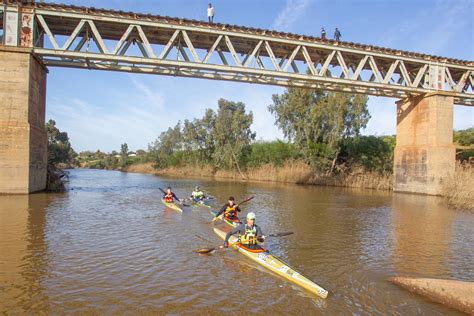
[(23, 140), (424, 154)]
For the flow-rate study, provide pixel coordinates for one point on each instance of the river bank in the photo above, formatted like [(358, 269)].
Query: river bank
[(458, 190), (295, 172)]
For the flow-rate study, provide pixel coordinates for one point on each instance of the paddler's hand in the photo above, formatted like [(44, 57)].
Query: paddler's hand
[(226, 244), (261, 239), (215, 219)]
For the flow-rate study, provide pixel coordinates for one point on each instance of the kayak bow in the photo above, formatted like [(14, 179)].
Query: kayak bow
[(277, 266), (172, 206), (228, 222)]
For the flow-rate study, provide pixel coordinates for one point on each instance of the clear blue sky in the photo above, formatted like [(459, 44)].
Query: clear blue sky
[(101, 110)]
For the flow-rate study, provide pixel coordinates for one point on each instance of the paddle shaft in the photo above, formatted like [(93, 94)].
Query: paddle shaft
[(208, 250)]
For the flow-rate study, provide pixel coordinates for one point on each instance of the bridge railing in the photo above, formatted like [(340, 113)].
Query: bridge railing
[(74, 38)]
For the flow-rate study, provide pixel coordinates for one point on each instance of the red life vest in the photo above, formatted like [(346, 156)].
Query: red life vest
[(169, 198)]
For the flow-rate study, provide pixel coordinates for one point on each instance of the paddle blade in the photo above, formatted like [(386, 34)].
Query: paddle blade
[(281, 234), (204, 251)]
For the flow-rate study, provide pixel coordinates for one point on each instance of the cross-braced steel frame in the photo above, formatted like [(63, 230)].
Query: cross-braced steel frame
[(107, 40)]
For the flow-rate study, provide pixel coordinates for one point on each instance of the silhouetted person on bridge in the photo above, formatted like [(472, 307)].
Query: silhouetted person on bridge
[(210, 13), (323, 33), (337, 35)]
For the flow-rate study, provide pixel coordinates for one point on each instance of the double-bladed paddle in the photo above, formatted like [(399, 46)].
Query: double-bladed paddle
[(244, 201), (180, 202), (204, 251)]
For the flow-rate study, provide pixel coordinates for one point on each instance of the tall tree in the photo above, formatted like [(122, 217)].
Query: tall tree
[(59, 147), (317, 121), (232, 133)]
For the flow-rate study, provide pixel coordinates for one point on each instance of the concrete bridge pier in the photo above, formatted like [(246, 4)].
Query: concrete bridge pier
[(424, 153), (23, 140)]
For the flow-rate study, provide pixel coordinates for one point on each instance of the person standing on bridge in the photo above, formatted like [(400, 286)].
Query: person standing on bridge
[(210, 13), (337, 35), (323, 33)]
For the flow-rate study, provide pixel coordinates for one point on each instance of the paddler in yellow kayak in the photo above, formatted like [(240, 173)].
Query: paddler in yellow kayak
[(197, 195), (229, 210), (169, 196), (249, 235)]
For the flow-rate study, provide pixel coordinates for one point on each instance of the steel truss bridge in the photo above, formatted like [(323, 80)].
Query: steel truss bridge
[(80, 37)]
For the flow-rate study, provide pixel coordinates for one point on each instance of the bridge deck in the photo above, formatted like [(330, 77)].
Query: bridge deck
[(182, 47)]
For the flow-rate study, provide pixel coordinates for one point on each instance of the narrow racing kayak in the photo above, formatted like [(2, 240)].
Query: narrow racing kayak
[(228, 222), (275, 265), (173, 206), (200, 203)]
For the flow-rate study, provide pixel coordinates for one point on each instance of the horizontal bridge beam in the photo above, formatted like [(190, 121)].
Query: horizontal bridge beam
[(106, 40)]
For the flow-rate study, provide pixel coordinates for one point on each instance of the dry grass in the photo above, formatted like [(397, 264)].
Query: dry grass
[(291, 172), (459, 189)]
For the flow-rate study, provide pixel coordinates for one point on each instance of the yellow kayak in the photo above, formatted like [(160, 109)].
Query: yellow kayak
[(172, 205), (277, 266)]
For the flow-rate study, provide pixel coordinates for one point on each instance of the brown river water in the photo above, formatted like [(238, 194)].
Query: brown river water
[(109, 246)]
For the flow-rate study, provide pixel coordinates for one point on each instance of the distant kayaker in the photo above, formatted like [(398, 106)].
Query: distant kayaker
[(230, 210), (197, 195), (169, 197), (249, 234)]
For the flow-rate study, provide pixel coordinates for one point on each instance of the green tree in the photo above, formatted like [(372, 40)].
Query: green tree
[(318, 121), (59, 147), (232, 134), (464, 137), (123, 154), (163, 148)]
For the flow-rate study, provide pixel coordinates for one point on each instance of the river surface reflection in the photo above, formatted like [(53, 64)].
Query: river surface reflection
[(109, 246)]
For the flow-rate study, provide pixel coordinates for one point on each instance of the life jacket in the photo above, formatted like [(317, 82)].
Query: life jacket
[(231, 211), (197, 195), (169, 198), (250, 236)]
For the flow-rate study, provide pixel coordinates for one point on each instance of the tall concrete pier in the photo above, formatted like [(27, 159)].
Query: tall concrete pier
[(424, 153), (23, 143)]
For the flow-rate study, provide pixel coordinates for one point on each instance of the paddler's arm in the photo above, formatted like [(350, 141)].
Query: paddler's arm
[(234, 231), (238, 209), (221, 210)]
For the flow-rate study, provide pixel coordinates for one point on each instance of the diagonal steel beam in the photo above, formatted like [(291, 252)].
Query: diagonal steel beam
[(123, 39), (343, 65), (255, 51), (97, 37), (360, 67), (375, 69), (232, 51), (272, 56), (391, 70), (149, 50), (419, 76), (404, 72), (292, 58), (212, 49), (74, 35), (46, 29), (190, 45), (166, 50), (326, 64)]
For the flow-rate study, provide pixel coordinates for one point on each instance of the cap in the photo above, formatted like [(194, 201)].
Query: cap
[(251, 215)]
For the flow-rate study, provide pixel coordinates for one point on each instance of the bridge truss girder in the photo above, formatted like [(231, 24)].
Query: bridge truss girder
[(73, 39)]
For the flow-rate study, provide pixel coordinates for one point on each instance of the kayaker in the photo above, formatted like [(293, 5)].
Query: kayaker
[(169, 197), (229, 210), (197, 195), (249, 234)]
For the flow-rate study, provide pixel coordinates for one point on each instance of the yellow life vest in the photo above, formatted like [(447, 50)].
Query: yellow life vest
[(250, 236), (231, 212)]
